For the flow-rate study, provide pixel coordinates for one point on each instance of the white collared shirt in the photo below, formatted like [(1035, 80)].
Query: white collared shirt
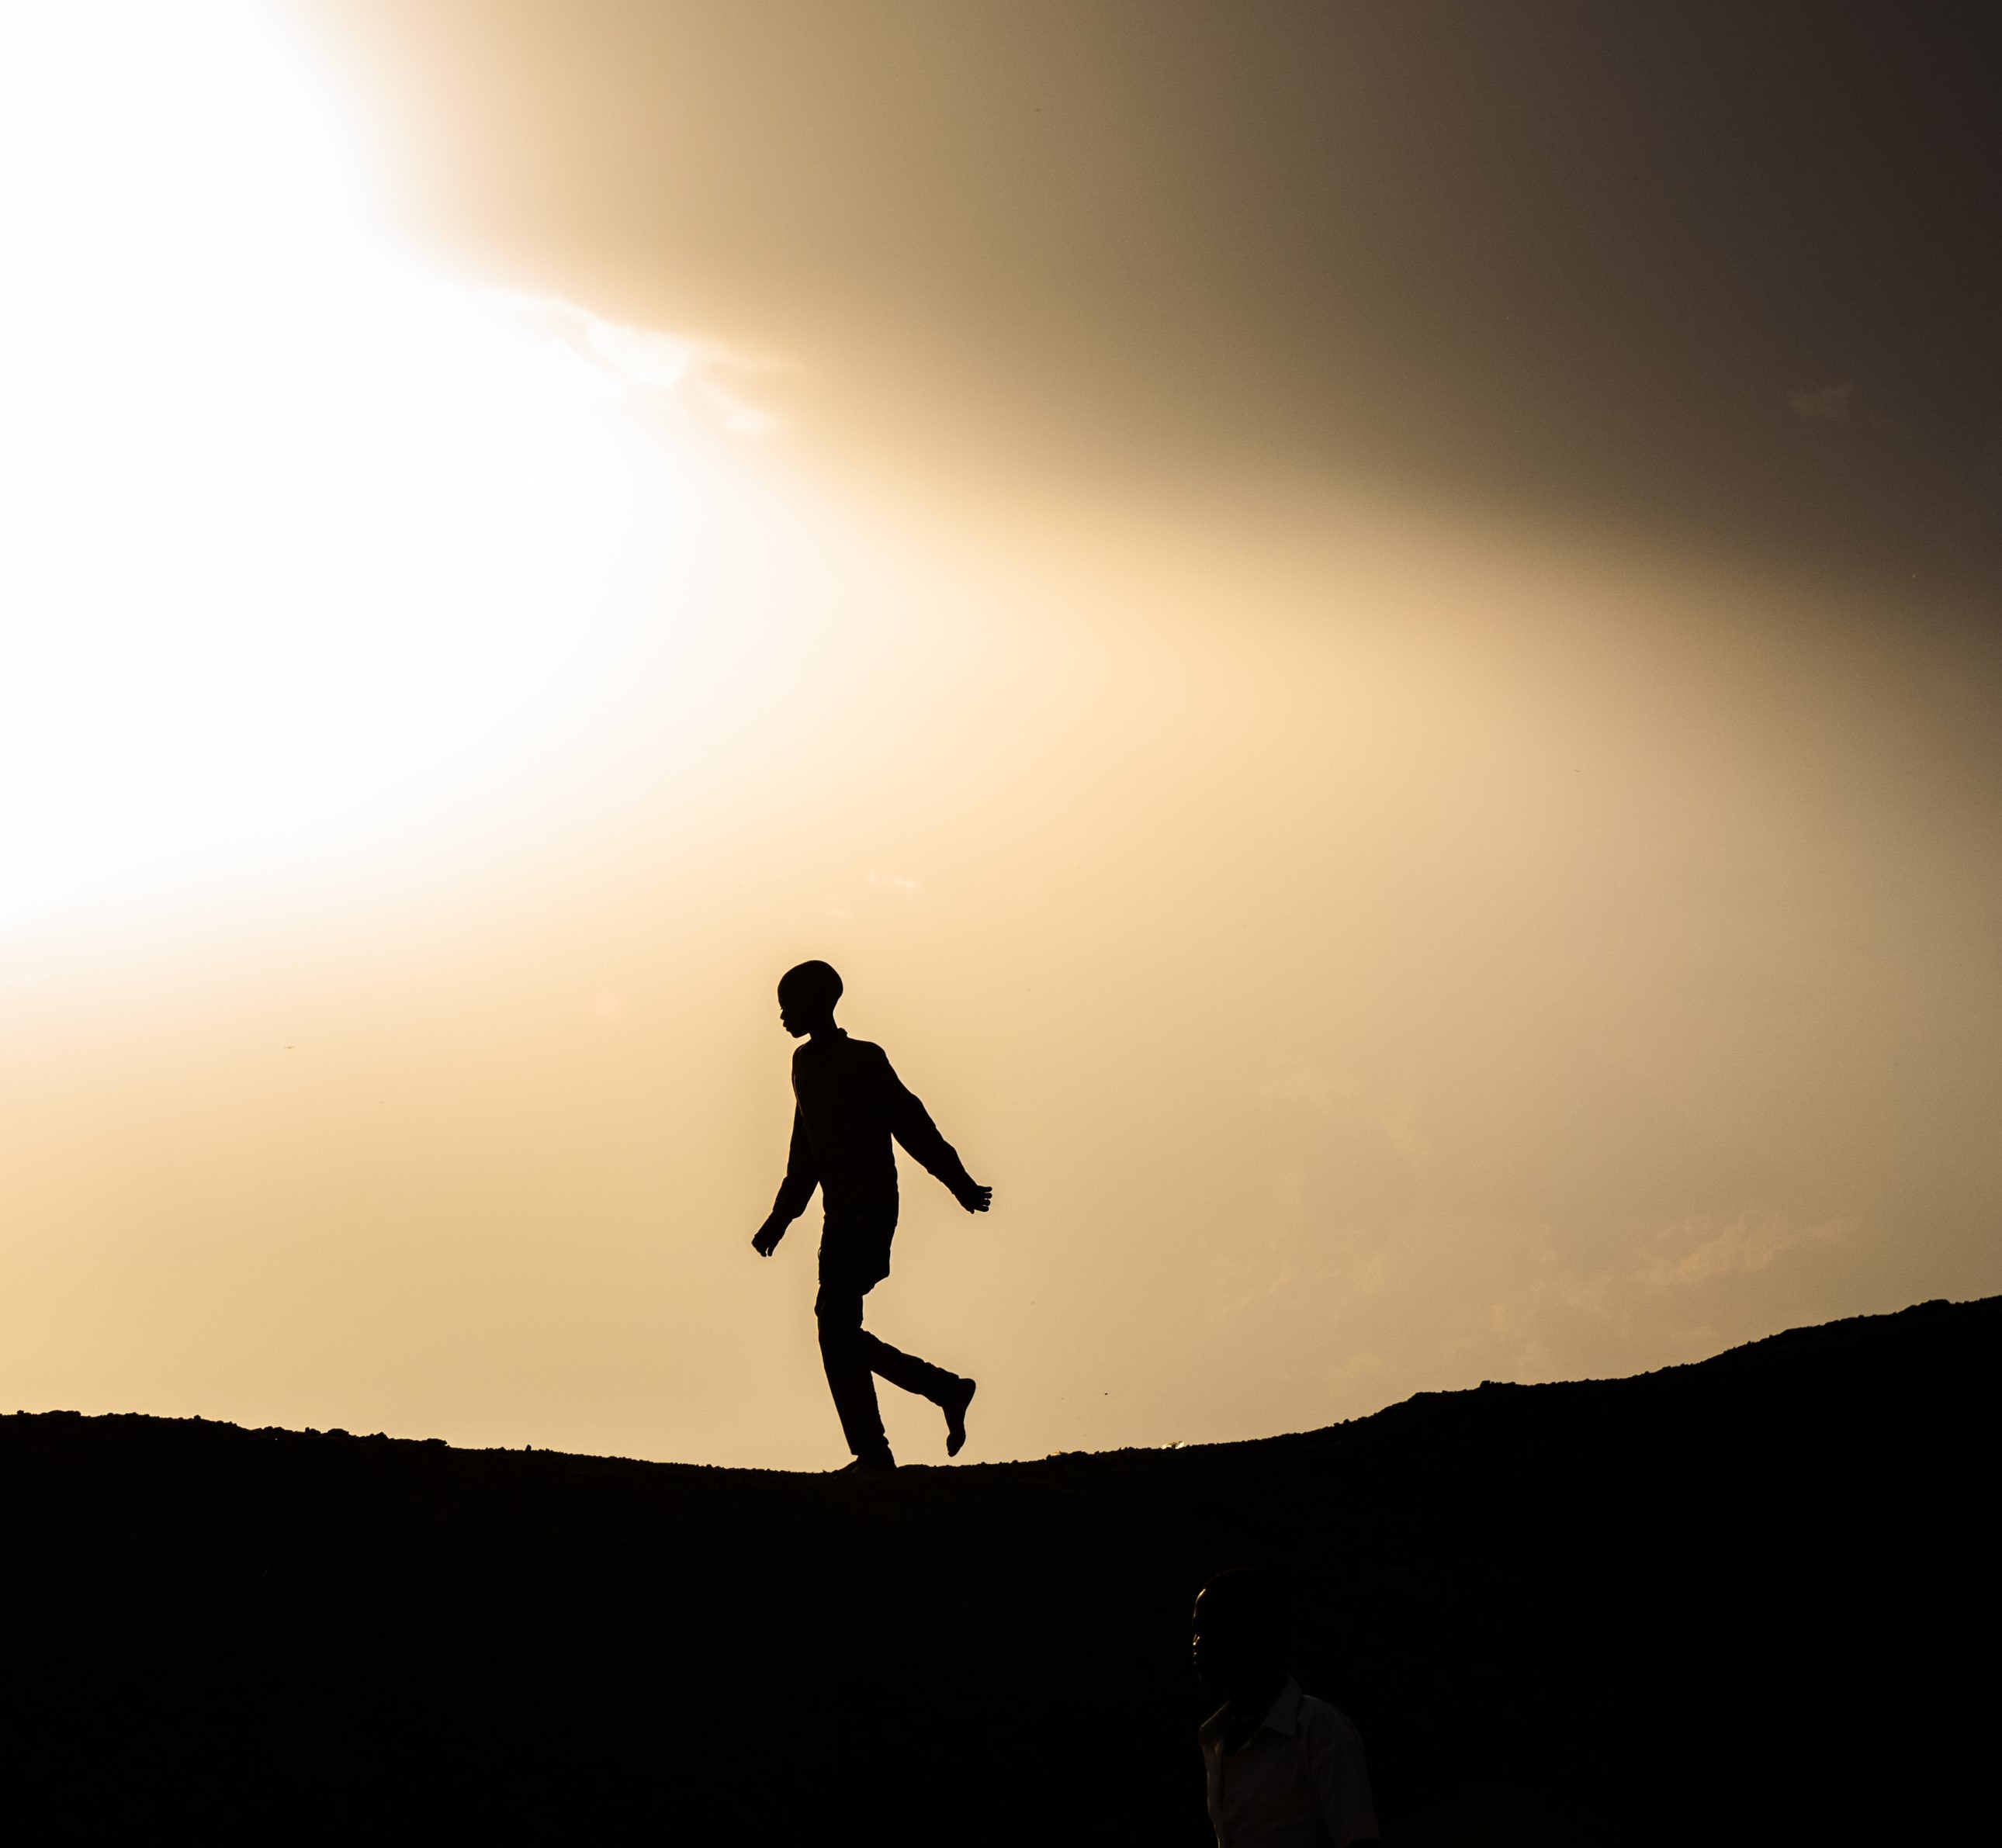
[(1300, 1782)]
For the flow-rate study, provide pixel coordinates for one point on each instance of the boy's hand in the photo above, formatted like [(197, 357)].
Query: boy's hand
[(765, 1240), (974, 1198)]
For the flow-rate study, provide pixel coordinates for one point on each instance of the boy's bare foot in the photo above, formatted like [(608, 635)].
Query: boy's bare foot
[(954, 1409)]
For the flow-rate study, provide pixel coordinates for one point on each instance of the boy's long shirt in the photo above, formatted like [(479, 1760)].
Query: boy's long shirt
[(849, 1104)]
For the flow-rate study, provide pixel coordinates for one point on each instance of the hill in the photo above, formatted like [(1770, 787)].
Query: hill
[(1739, 1600)]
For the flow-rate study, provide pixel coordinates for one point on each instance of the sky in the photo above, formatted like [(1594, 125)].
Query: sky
[(1370, 635)]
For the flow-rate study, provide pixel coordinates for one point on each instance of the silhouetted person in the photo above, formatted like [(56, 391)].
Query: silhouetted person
[(1284, 1769), (849, 1104)]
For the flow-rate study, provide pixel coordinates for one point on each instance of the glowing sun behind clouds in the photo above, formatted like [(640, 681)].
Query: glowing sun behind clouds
[(290, 518)]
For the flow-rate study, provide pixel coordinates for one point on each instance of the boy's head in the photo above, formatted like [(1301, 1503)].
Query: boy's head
[(806, 995), (1240, 1630)]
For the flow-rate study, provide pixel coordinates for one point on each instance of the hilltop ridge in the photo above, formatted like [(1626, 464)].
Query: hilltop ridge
[(1731, 1599)]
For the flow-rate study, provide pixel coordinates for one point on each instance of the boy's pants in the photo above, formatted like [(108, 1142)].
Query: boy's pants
[(854, 1258)]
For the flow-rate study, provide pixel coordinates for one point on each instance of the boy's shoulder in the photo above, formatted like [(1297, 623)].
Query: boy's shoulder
[(810, 1052), (865, 1055), (848, 1046), (1322, 1716)]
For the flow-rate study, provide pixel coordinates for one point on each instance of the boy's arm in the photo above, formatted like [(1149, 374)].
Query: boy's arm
[(802, 1177), (911, 1124)]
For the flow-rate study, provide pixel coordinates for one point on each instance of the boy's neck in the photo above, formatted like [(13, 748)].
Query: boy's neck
[(1254, 1698)]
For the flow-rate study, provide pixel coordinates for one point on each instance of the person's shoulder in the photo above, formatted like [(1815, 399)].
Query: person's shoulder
[(1324, 1717)]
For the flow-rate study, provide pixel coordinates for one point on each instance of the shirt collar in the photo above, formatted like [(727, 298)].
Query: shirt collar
[(1283, 1716)]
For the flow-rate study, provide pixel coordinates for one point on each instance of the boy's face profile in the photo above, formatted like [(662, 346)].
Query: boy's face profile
[(807, 997), (1233, 1648)]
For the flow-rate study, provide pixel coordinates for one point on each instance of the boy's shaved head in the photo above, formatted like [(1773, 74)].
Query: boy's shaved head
[(810, 988), (1244, 1600)]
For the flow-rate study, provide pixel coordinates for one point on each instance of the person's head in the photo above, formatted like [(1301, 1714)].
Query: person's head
[(1240, 1632), (806, 995)]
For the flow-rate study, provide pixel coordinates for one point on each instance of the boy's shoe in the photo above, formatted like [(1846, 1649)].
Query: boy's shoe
[(883, 1465), (954, 1408)]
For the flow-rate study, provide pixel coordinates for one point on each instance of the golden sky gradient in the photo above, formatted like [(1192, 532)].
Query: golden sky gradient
[(530, 519)]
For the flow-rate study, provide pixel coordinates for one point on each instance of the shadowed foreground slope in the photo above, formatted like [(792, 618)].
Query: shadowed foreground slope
[(1731, 1601)]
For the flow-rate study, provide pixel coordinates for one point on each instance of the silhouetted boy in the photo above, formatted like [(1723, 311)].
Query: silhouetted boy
[(1284, 1769), (849, 1104)]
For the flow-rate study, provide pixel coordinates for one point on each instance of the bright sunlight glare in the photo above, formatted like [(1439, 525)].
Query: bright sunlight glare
[(289, 517)]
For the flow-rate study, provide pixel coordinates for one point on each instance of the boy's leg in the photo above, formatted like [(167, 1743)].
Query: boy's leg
[(949, 1392), (837, 1309), (906, 1370)]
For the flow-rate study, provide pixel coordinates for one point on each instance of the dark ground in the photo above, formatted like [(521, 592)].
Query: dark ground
[(1749, 1600)]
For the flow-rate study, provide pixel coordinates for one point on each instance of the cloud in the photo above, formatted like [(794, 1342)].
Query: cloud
[(614, 360), (1691, 1287), (1706, 1247)]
